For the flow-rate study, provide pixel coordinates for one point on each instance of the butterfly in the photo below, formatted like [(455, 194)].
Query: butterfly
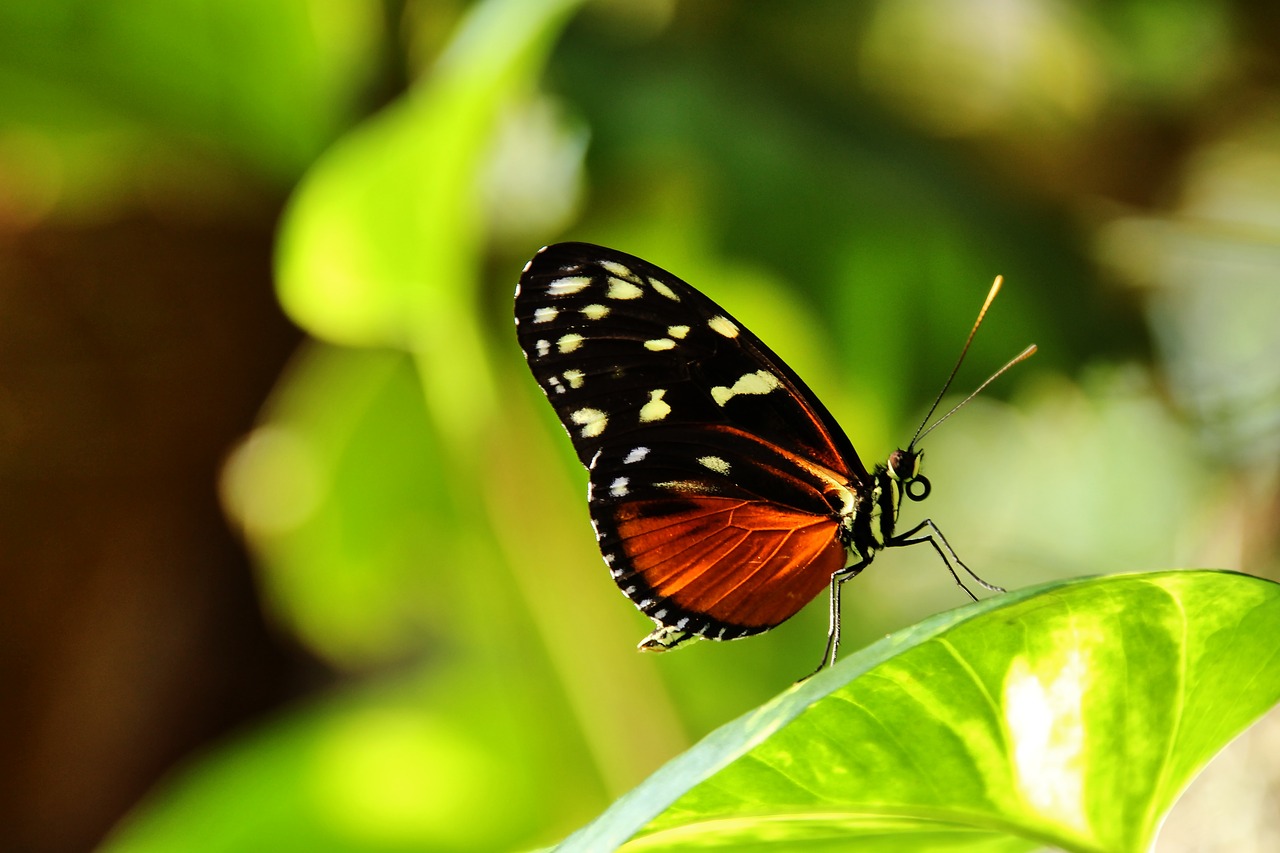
[(723, 494)]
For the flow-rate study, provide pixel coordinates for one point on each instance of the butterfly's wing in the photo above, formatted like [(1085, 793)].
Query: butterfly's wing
[(717, 479)]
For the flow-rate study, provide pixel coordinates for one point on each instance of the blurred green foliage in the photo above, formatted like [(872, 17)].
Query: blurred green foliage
[(846, 177)]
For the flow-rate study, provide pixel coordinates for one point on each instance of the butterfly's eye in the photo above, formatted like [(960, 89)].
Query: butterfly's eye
[(918, 487), (904, 465)]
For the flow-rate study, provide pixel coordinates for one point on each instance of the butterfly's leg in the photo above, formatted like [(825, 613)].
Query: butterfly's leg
[(833, 629), (934, 537)]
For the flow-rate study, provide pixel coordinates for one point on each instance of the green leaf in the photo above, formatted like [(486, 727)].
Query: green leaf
[(346, 506), (380, 768), (384, 233), (121, 93), (1071, 714), (381, 244)]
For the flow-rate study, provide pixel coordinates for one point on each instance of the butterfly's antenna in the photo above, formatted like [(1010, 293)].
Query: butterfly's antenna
[(991, 296), (1020, 357)]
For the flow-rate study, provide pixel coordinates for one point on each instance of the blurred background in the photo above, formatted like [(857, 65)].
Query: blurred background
[(296, 557)]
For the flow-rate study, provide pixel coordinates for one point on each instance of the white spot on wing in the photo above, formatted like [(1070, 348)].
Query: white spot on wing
[(660, 344), (760, 382), (620, 270), (664, 289), (714, 463), (723, 326), (595, 312), (592, 421), (545, 315), (677, 331), (636, 455), (618, 488), (574, 377), (544, 347), (655, 409), (619, 289), (568, 285), (569, 343)]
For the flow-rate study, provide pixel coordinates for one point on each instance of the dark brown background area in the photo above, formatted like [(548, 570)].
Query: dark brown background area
[(132, 356)]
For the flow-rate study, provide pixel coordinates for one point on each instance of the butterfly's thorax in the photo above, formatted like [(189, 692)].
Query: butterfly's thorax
[(864, 530), (886, 500), (872, 527)]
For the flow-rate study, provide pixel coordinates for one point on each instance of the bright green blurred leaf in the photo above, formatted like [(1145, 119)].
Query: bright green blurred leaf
[(129, 91), (381, 245), (1071, 714), (341, 493), (380, 248), (384, 768)]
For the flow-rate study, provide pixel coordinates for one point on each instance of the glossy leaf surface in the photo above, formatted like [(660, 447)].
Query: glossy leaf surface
[(1069, 715)]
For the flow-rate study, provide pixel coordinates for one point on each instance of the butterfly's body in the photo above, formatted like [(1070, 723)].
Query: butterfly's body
[(723, 494)]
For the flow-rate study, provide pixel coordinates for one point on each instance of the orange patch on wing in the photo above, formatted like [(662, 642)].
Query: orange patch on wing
[(740, 562)]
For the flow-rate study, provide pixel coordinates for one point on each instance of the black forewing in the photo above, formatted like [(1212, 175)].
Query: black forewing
[(626, 351)]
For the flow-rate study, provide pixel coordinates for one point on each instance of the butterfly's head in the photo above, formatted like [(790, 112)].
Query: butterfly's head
[(904, 467)]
